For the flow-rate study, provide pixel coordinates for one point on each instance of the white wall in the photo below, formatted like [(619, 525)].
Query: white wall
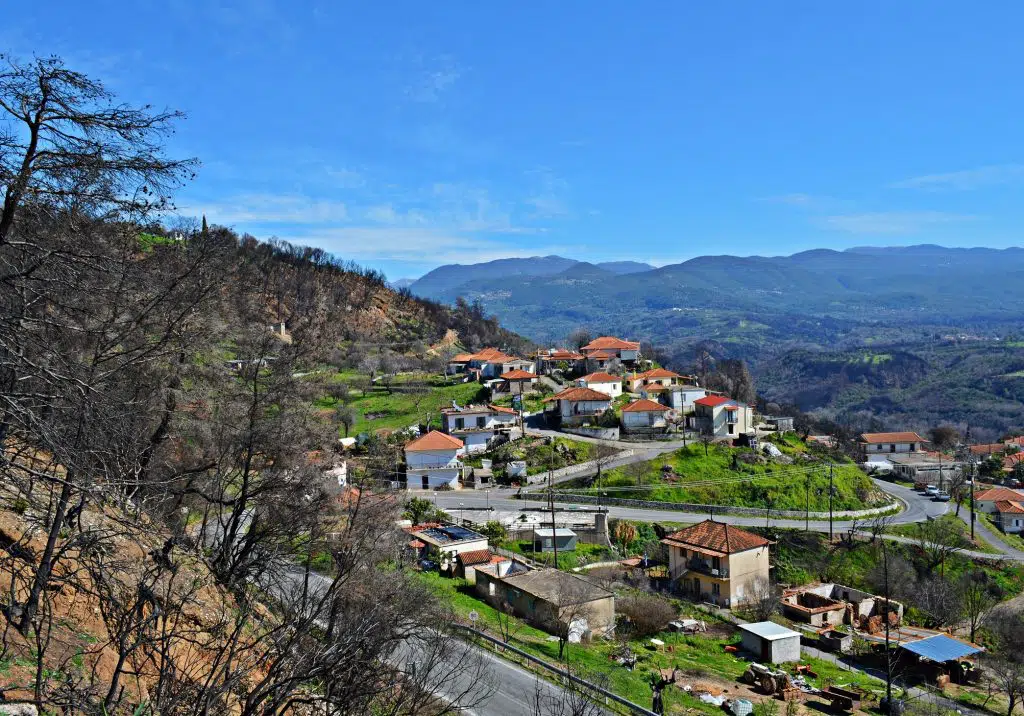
[(584, 406), (632, 419), (477, 442), (612, 390)]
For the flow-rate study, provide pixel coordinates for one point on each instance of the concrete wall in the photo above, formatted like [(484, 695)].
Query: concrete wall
[(476, 442), (778, 651), (644, 420), (612, 390), (599, 433), (569, 409), (744, 568)]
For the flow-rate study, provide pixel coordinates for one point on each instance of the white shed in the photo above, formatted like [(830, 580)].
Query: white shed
[(771, 643)]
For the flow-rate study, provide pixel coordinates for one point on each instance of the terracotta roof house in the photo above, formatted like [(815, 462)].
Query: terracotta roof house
[(492, 362), (1010, 515), (606, 348), (469, 561), (644, 414), (602, 382), (985, 500), (722, 417), (549, 360), (577, 406), (655, 376), (517, 382), (881, 444), (1011, 461), (434, 460), (989, 449), (478, 425), (716, 562)]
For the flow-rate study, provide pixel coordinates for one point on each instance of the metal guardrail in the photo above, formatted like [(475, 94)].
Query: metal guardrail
[(601, 691)]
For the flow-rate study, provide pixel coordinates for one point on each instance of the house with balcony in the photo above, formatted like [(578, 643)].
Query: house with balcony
[(605, 349), (477, 426), (722, 417), (576, 406), (550, 360), (679, 397), (878, 446), (715, 562), (602, 382), (656, 376), (433, 460)]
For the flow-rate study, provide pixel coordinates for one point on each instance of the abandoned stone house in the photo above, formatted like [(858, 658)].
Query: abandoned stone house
[(825, 605)]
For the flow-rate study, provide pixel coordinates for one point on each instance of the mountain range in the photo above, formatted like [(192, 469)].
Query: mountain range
[(545, 297)]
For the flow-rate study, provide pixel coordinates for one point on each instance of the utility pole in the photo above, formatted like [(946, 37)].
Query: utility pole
[(831, 491), (973, 479), (551, 501), (807, 503)]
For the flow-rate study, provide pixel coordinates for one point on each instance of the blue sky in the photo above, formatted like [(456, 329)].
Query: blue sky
[(404, 135)]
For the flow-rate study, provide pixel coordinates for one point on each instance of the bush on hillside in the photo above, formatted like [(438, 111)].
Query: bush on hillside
[(645, 614)]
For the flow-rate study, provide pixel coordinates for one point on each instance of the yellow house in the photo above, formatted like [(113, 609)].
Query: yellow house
[(714, 562)]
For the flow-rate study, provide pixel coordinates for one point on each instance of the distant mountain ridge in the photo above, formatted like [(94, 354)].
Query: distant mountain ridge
[(545, 296)]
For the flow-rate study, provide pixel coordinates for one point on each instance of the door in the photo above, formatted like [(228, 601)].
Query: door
[(426, 482)]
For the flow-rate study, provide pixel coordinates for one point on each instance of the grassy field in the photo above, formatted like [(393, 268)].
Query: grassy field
[(961, 528), (376, 408), (720, 477), (698, 656), (583, 554)]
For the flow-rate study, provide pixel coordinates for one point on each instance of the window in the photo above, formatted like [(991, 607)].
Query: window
[(716, 589), (913, 447), (879, 448), (481, 421), (459, 423), (732, 428), (892, 448)]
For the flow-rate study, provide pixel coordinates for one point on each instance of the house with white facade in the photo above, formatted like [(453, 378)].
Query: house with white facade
[(655, 376), (602, 382), (491, 363), (605, 349), (986, 500), (433, 460), (477, 425), (680, 398), (722, 417), (878, 445), (644, 413), (577, 406), (1010, 516)]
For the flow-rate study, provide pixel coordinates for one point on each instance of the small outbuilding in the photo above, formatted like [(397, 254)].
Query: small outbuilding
[(545, 539), (771, 643)]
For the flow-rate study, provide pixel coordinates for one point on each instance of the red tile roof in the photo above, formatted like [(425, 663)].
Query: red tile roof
[(990, 449), (1019, 440), (461, 358), (659, 373), (493, 355), (476, 556), (605, 342), (562, 354), (1010, 461), (997, 494), (1010, 507), (712, 401), (416, 544), (716, 537), (501, 409), (905, 437), (601, 377), (518, 375), (644, 406), (580, 394), (434, 440), (603, 354)]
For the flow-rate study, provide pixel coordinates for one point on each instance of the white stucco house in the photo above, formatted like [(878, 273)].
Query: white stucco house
[(577, 406), (606, 383), (644, 413), (433, 460), (492, 362), (986, 500), (722, 417), (878, 445), (476, 425), (680, 398), (604, 349)]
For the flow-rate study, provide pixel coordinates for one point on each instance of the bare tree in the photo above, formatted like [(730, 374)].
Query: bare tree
[(569, 697), (578, 338), (346, 416), (939, 539), (603, 455), (763, 599), (979, 593)]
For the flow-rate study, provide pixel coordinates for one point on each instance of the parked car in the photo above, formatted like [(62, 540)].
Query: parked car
[(931, 490), (942, 497)]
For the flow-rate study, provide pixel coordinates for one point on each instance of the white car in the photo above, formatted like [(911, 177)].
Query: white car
[(931, 490)]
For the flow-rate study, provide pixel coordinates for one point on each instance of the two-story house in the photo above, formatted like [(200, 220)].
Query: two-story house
[(491, 363), (517, 382), (602, 382), (714, 562), (680, 398), (552, 359), (722, 417), (433, 460), (655, 376), (605, 349), (879, 445), (577, 406), (477, 425)]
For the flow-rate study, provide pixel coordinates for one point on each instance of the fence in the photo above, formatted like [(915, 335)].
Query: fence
[(562, 673)]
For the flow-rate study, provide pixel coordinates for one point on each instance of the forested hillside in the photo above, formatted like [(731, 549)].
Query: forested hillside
[(161, 489)]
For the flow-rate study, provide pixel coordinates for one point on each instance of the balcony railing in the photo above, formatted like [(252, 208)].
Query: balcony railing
[(449, 465), (698, 565)]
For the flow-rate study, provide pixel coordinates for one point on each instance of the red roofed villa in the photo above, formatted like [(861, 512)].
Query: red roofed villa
[(715, 562), (645, 414), (606, 348), (433, 460), (722, 417), (577, 406), (602, 382)]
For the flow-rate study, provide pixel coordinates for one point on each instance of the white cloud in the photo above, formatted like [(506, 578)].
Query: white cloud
[(263, 209), (964, 180), (414, 245), (891, 222)]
